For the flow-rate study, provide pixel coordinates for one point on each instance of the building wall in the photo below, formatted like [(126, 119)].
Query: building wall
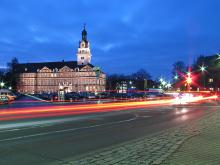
[(72, 81)]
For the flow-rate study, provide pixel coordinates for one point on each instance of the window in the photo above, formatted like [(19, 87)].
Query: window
[(82, 58), (211, 80)]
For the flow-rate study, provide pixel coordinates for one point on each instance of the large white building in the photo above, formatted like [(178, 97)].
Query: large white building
[(70, 76)]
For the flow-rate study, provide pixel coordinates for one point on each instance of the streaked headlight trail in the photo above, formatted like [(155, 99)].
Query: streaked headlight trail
[(58, 110)]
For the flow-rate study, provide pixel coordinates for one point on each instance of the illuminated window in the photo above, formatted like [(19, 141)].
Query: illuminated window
[(211, 80)]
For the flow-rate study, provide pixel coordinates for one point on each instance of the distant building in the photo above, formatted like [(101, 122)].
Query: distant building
[(69, 76), (209, 79)]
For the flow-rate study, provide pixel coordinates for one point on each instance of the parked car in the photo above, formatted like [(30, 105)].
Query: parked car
[(154, 94), (72, 95), (103, 95), (91, 96), (139, 95), (45, 96), (118, 95), (8, 93), (87, 95), (4, 99), (53, 96)]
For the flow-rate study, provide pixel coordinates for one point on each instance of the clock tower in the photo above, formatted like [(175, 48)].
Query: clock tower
[(83, 53)]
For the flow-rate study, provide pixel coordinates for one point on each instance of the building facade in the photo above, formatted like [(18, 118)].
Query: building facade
[(69, 76)]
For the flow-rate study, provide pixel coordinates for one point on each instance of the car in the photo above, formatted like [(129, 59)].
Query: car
[(8, 93), (91, 96), (53, 96), (72, 95), (103, 95), (154, 94), (4, 99), (87, 95)]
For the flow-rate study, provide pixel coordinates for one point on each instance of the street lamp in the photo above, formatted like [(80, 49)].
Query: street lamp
[(2, 84), (163, 83), (188, 81), (203, 70), (176, 77)]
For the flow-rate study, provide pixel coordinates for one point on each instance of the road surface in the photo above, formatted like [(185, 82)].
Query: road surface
[(50, 140)]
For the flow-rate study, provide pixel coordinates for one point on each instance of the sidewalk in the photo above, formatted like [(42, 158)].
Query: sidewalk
[(194, 143), (203, 149)]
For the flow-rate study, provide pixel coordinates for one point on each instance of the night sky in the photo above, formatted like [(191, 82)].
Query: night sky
[(124, 35)]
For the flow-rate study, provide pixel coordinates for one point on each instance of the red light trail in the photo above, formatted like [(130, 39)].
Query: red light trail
[(60, 110)]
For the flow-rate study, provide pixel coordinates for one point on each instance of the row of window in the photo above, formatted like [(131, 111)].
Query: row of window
[(57, 81), (60, 75)]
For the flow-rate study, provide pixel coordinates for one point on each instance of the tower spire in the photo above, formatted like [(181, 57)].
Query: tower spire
[(84, 33)]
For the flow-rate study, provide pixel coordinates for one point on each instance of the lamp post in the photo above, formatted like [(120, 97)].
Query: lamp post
[(188, 81), (203, 70)]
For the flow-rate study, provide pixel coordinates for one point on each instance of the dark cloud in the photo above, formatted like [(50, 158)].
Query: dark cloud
[(125, 35)]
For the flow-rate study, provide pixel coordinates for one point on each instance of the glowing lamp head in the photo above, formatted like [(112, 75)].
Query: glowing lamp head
[(163, 83), (202, 68), (176, 77), (2, 84)]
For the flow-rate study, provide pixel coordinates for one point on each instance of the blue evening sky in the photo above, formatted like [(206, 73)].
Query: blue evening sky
[(124, 35)]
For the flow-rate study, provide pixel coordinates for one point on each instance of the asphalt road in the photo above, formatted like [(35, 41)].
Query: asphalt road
[(50, 140)]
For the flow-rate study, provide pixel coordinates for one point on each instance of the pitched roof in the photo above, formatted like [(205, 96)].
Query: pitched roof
[(33, 67)]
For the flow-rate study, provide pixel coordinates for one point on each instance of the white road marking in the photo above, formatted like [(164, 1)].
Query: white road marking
[(142, 116), (66, 130), (41, 123)]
